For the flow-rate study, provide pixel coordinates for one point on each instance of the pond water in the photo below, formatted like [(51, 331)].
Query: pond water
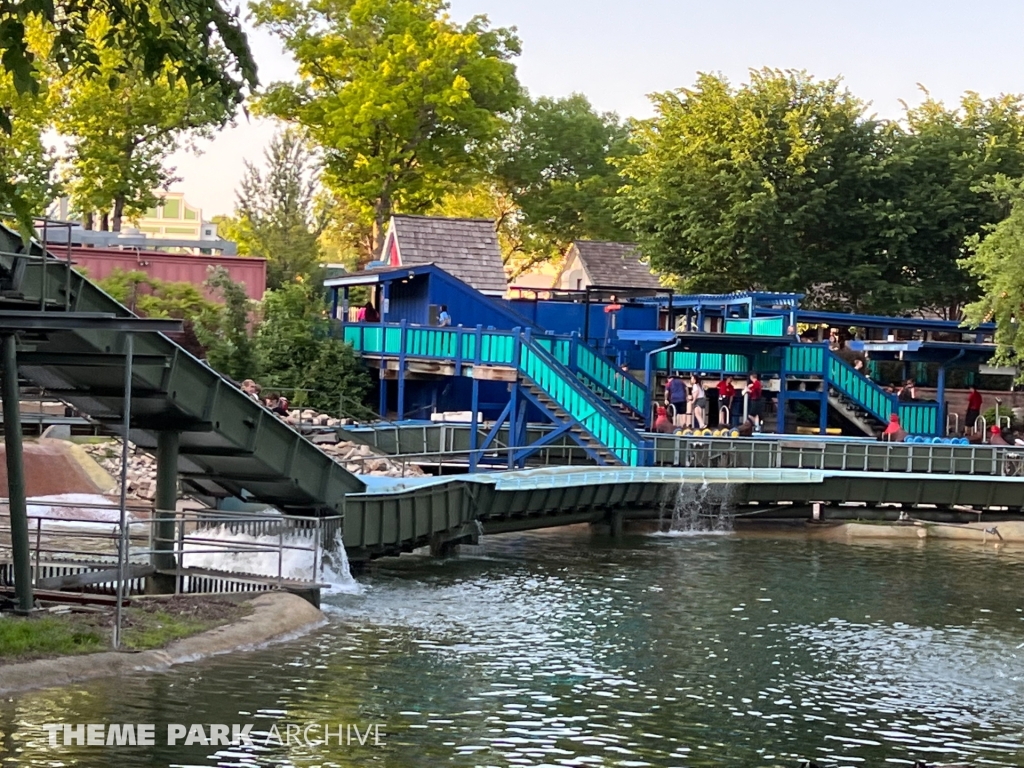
[(565, 648)]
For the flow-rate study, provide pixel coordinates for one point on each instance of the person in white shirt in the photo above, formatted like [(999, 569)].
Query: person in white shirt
[(700, 403)]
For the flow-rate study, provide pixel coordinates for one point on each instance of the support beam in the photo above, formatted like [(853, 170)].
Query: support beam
[(16, 478), (166, 501)]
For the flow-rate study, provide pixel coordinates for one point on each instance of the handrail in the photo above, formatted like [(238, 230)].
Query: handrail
[(496, 347), (593, 413), (620, 384), (914, 417)]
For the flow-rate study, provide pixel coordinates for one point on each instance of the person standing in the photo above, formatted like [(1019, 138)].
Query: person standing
[(755, 401), (675, 393), (973, 408), (726, 396), (700, 403), (444, 319), (908, 392)]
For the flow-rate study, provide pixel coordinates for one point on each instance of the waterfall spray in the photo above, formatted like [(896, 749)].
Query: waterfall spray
[(693, 508)]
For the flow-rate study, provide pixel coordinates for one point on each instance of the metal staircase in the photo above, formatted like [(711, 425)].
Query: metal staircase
[(542, 373), (860, 400)]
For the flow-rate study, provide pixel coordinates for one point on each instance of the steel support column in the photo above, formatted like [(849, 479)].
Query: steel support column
[(16, 477), (166, 501)]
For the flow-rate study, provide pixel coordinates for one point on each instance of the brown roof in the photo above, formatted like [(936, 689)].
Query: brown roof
[(615, 264), (464, 248)]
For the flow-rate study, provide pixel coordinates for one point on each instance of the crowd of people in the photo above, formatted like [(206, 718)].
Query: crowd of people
[(686, 403), (272, 400)]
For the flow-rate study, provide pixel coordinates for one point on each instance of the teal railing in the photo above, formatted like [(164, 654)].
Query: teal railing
[(915, 418), (621, 385), (806, 359), (540, 360), (545, 371), (758, 326), (702, 362)]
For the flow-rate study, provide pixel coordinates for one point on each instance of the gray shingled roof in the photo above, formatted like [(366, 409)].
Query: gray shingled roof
[(615, 264), (464, 248)]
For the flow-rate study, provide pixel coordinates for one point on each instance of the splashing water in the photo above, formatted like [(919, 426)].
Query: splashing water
[(222, 549), (696, 509)]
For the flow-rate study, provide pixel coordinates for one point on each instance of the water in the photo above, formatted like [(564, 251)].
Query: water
[(697, 509), (567, 649)]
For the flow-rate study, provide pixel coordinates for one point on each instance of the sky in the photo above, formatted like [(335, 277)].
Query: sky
[(617, 52)]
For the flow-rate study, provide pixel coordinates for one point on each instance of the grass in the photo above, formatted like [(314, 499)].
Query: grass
[(146, 624), (38, 636)]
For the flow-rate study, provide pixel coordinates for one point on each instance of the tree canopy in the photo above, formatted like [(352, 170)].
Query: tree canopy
[(401, 99), (766, 186), (280, 211), (555, 163), (122, 126), (997, 261), (153, 38)]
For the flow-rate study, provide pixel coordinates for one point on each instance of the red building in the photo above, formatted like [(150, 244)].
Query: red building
[(98, 263)]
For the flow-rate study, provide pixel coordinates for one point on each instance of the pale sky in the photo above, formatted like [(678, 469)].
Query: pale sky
[(617, 51)]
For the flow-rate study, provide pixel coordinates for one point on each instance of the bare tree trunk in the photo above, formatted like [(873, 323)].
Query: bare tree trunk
[(115, 223), (105, 221), (90, 220)]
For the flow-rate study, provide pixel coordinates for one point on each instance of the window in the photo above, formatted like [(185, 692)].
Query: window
[(172, 209), (190, 214)]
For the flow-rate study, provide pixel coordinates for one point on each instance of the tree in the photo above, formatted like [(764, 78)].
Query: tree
[(27, 162), (997, 261), (151, 297), (223, 329), (940, 173), (150, 34), (767, 186), (122, 127), (296, 349), (280, 213), (556, 164), (402, 99)]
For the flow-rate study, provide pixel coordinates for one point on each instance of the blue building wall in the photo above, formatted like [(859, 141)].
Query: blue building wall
[(565, 317)]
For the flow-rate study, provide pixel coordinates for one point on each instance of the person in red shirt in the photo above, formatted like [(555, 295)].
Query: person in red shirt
[(755, 400), (726, 395), (894, 433), (973, 409)]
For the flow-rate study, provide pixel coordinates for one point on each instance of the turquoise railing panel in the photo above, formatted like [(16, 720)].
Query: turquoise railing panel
[(624, 388), (861, 390), (593, 414), (805, 359), (737, 326), (915, 418), (736, 365), (758, 326), (768, 326), (920, 418)]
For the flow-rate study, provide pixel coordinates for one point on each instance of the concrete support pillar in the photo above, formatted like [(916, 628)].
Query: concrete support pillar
[(166, 499), (16, 478), (615, 523)]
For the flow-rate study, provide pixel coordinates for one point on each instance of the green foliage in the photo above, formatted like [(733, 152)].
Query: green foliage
[(556, 164), (941, 166), (997, 261), (786, 183), (297, 351), (122, 126), (27, 162), (224, 329), (151, 297), (152, 37), (401, 98), (767, 186), (280, 212)]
